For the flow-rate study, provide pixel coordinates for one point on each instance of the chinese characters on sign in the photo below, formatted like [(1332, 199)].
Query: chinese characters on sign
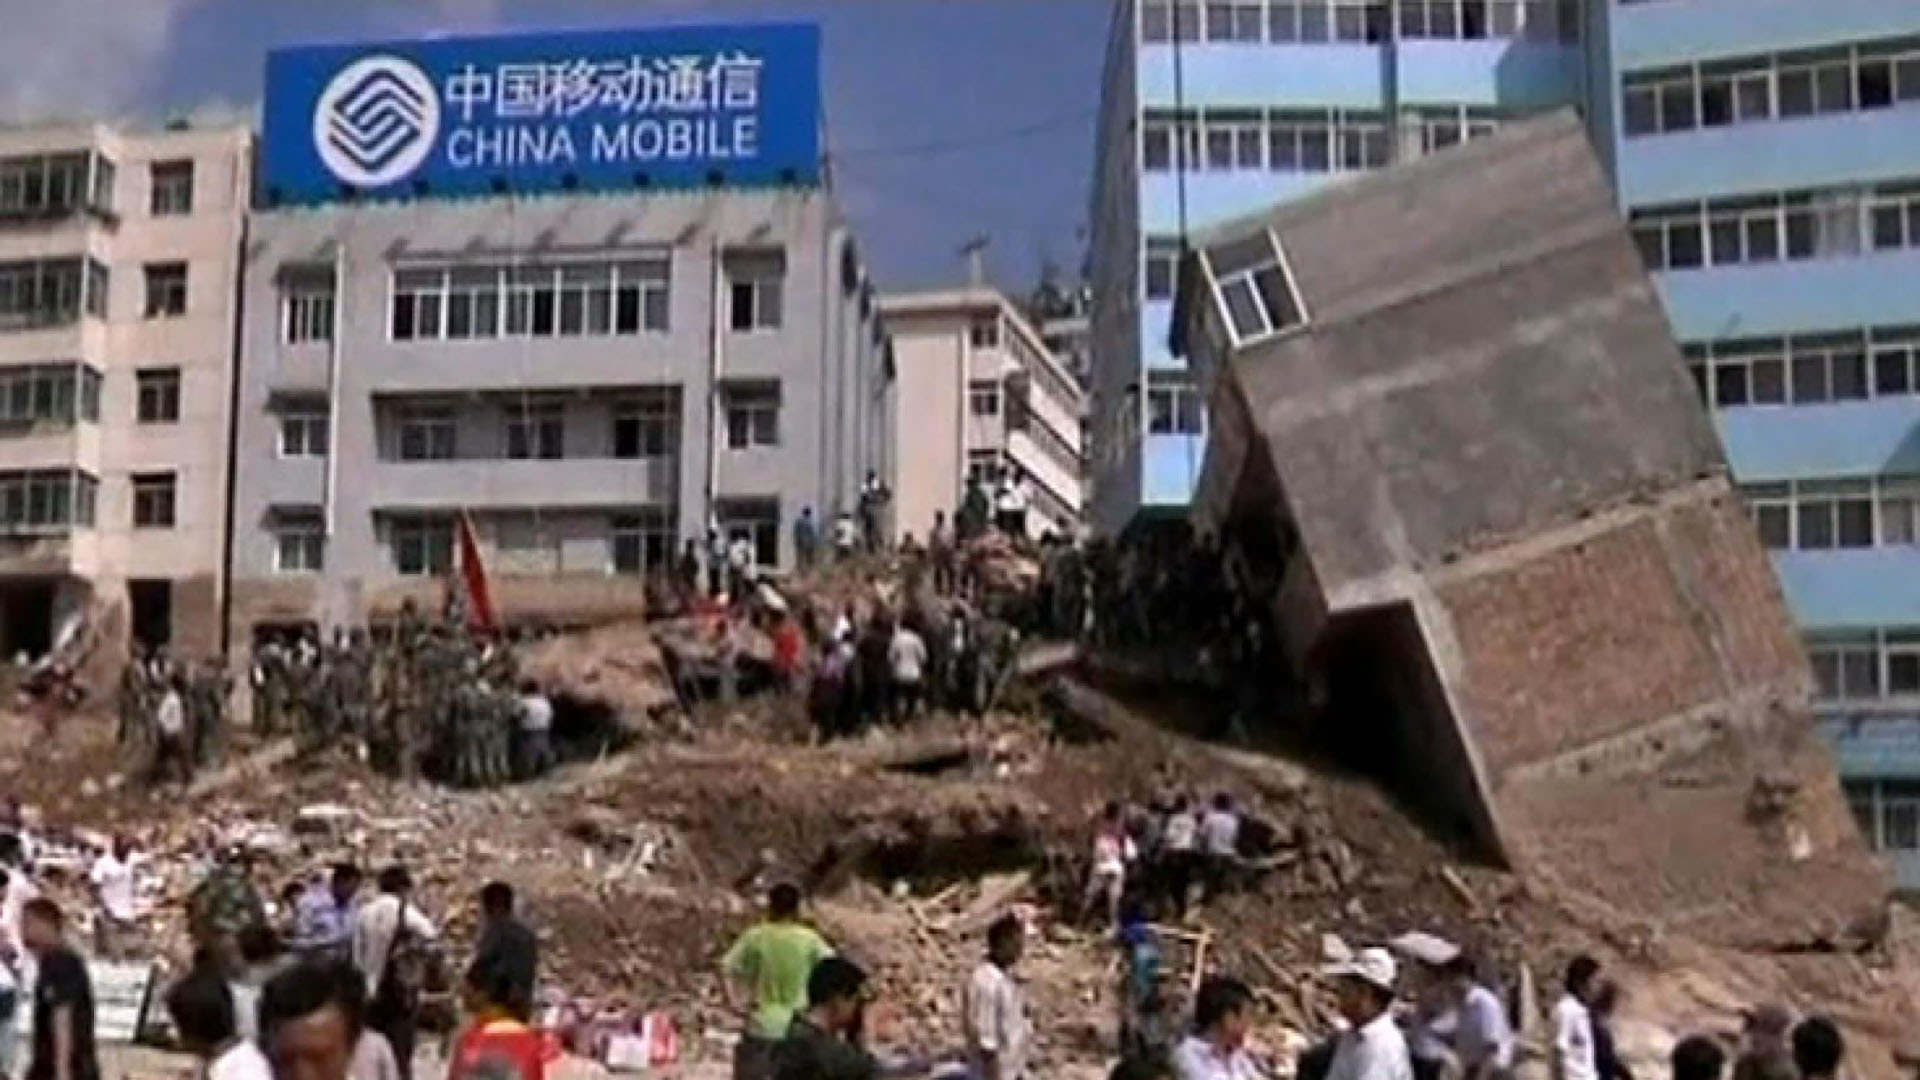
[(599, 110), (633, 85)]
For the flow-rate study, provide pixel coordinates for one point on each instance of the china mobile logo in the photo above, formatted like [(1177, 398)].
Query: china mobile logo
[(376, 121)]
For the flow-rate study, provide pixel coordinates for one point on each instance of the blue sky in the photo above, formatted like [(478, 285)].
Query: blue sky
[(945, 118)]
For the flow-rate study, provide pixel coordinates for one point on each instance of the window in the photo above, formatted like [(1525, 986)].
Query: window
[(304, 429), (50, 394), (299, 542), (426, 434), (1899, 511), (640, 293), (1163, 265), (485, 301), (166, 290), (1845, 667), (983, 398), (643, 543), (48, 292), (306, 307), (1833, 514), (422, 547), (153, 500), (473, 303), (984, 333), (1771, 507), (1899, 815), (1234, 139), (755, 283), (54, 185), (170, 188), (1903, 661), (1156, 22), (758, 520), (983, 467), (647, 428), (536, 431), (46, 500), (753, 415), (1301, 141), (159, 395), (1173, 404), (1254, 290)]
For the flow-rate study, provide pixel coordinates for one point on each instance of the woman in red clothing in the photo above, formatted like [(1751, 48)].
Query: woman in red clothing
[(494, 1045)]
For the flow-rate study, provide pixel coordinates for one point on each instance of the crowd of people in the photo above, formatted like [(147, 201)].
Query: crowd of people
[(429, 699)]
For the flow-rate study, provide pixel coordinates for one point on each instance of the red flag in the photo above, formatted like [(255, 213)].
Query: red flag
[(473, 575)]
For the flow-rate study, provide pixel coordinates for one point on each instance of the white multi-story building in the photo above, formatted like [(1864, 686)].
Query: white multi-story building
[(976, 390), (118, 260)]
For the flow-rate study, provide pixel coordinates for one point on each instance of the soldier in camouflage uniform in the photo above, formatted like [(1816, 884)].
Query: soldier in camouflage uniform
[(207, 690), (136, 704), (223, 906)]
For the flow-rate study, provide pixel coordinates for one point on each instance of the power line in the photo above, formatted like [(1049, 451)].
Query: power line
[(942, 146)]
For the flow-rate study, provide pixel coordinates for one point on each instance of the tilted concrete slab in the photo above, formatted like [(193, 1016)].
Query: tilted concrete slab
[(1484, 428)]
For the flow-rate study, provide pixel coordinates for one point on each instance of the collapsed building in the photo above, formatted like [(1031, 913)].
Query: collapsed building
[(1506, 555)]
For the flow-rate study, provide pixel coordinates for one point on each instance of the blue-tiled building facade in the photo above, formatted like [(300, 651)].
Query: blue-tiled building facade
[(1767, 155)]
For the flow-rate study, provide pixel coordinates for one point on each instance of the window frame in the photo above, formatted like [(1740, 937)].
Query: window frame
[(170, 188), (168, 289), (157, 396), (156, 500)]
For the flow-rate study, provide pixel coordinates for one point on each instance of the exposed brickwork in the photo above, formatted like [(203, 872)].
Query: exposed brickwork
[(1588, 642)]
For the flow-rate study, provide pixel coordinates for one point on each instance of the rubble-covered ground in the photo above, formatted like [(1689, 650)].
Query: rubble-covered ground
[(637, 868)]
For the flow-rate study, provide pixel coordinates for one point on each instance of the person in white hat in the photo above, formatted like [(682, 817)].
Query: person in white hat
[(1373, 1047)]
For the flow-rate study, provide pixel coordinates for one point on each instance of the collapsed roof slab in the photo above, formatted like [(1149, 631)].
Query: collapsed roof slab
[(1463, 399)]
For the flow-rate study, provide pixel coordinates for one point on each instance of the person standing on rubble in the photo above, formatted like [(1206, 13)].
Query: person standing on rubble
[(171, 751), (63, 1034), (687, 570), (112, 879), (806, 539), (993, 1012), (536, 730), (207, 1019), (907, 661), (940, 553), (1222, 1019), (324, 914), (392, 939), (739, 570), (1219, 843), (506, 957), (223, 906), (1107, 873), (1373, 1047), (824, 1041), (1573, 1043), (769, 966), (1483, 1040)]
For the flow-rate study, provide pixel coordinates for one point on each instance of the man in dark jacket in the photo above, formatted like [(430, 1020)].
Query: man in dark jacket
[(507, 950)]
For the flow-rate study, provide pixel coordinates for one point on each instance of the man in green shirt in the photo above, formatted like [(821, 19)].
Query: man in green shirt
[(771, 962)]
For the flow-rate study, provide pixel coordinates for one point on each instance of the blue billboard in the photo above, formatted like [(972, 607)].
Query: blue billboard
[(577, 111)]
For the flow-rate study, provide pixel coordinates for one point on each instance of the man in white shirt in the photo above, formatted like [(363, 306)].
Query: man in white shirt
[(1179, 852), (1222, 1017), (1219, 843), (994, 1012), (1372, 1048), (1483, 1036), (376, 926), (907, 658), (1573, 1023), (170, 720), (203, 1014), (536, 730), (112, 878)]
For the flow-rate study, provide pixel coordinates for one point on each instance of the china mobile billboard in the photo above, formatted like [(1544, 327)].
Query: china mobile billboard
[(575, 111)]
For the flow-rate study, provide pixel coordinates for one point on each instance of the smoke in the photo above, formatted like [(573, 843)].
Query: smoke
[(82, 59)]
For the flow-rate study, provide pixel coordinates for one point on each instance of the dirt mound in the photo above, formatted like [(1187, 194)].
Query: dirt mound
[(619, 666)]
